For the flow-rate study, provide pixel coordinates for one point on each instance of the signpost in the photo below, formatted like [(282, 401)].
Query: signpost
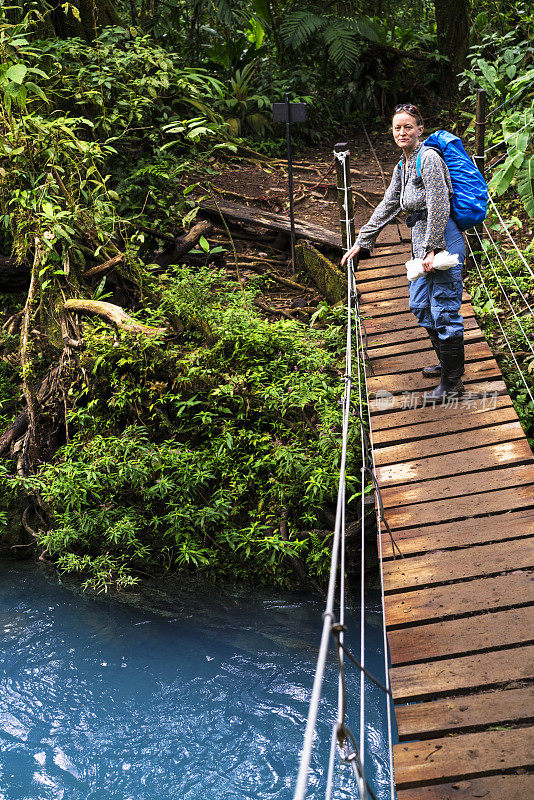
[(290, 112)]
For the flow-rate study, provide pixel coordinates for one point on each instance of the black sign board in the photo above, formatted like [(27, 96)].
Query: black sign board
[(297, 112)]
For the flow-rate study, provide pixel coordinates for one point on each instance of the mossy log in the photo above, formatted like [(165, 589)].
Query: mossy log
[(328, 278)]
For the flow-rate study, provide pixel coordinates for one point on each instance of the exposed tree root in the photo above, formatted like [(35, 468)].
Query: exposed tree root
[(114, 314)]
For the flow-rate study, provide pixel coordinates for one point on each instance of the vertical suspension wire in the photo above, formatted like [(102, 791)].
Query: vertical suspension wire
[(521, 256), (389, 709), (359, 365), (505, 265), (328, 616), (490, 262), (359, 354), (499, 322)]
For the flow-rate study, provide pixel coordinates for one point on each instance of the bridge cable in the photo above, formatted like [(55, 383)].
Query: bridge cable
[(509, 100), (521, 256), (507, 138), (490, 262), (505, 265), (381, 519), (499, 322), (341, 733)]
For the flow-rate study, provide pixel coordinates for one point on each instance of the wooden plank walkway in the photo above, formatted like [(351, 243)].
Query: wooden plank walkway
[(457, 483)]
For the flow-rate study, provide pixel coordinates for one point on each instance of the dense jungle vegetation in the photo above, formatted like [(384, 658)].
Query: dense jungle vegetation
[(186, 432)]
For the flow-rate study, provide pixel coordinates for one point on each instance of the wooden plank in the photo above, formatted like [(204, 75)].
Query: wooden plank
[(430, 720), (452, 565), (461, 757), (423, 423), (398, 255), (448, 443), (458, 637), (483, 390), (415, 381), (398, 321), (461, 674), (459, 484), (421, 345), (482, 530), (447, 414), (378, 283), (478, 595), (381, 337), (393, 364), (381, 308), (444, 511), (496, 787), (375, 295)]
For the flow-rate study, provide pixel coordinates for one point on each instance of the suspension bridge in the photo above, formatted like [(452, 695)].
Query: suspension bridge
[(454, 489)]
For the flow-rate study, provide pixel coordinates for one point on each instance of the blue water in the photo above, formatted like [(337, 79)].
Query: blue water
[(100, 701)]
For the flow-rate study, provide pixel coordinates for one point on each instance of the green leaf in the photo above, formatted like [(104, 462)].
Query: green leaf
[(525, 185), (488, 71), (203, 242), (17, 73), (32, 87), (503, 177), (298, 27), (511, 70)]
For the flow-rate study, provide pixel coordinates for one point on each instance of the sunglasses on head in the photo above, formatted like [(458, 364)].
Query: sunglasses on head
[(411, 109)]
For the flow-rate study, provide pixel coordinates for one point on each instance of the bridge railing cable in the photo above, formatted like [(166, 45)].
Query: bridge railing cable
[(342, 737), (492, 305), (509, 100), (505, 265), (503, 291), (507, 231), (507, 138)]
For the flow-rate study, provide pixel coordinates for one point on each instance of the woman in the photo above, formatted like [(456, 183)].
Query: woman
[(436, 297)]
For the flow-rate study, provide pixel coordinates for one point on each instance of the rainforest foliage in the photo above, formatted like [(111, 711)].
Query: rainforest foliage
[(193, 435)]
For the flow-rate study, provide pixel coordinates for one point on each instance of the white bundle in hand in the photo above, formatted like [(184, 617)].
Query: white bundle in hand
[(442, 260)]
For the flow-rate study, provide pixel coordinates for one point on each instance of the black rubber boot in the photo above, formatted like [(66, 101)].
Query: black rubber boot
[(434, 371), (452, 359)]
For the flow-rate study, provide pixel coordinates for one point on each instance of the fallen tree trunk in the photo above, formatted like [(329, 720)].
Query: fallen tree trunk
[(173, 252), (114, 314), (235, 212)]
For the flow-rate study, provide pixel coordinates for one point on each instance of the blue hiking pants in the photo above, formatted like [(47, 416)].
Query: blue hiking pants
[(435, 299)]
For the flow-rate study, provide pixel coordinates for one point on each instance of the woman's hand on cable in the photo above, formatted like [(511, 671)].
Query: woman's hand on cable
[(351, 253), (428, 262)]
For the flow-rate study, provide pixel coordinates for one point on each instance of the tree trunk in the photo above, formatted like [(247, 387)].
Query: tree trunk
[(58, 21), (453, 39)]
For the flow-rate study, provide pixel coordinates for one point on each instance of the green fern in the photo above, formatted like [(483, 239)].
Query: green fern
[(339, 36), (299, 27), (525, 185)]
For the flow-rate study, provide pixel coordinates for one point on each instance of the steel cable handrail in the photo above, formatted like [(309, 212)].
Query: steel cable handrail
[(382, 596), (509, 100), (341, 734), (505, 265), (499, 322), (507, 138), (490, 262), (521, 256)]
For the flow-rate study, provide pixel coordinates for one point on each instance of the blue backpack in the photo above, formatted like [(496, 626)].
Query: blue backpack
[(469, 203)]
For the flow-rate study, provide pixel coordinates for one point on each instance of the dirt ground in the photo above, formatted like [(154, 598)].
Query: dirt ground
[(264, 185), (315, 199)]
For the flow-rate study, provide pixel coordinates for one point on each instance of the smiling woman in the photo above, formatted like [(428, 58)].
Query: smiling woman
[(421, 185)]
